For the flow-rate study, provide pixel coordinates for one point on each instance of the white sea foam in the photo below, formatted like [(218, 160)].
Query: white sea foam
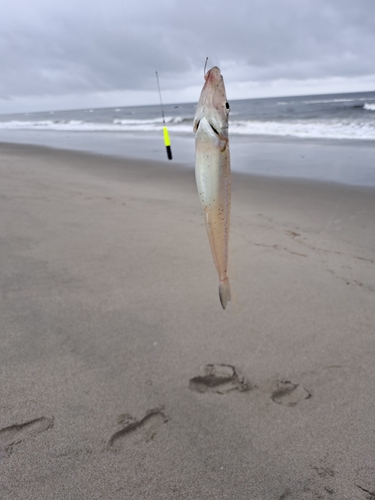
[(323, 129), (151, 121), (118, 125), (321, 101), (369, 107), (308, 129), (42, 125)]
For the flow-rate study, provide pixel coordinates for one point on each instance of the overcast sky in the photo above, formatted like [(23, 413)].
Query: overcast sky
[(64, 54)]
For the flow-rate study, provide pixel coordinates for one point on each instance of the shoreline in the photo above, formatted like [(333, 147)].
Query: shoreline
[(189, 169), (166, 165), (342, 161)]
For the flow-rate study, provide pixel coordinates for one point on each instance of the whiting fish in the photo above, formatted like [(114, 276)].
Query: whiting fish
[(212, 171)]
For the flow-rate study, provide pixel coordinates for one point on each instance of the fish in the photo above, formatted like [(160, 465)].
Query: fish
[(213, 173)]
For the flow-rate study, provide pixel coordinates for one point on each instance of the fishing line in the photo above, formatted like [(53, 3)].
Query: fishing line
[(126, 22), (167, 141)]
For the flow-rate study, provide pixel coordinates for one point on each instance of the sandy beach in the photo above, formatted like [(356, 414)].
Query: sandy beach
[(122, 377)]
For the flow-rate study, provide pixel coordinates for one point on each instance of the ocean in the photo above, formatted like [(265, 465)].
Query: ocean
[(328, 121)]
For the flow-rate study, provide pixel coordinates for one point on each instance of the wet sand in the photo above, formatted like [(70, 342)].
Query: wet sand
[(122, 377), (328, 160)]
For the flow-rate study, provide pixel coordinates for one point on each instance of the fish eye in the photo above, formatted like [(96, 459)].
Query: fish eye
[(227, 105)]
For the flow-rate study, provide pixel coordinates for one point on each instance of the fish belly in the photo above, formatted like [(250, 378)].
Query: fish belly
[(212, 173)]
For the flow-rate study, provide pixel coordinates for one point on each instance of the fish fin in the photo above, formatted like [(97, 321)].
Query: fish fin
[(224, 293)]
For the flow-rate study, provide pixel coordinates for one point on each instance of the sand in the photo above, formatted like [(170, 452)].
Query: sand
[(122, 377)]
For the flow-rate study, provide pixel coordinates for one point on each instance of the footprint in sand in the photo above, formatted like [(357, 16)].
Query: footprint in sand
[(220, 379), (365, 481), (308, 492), (288, 394), (17, 433), (138, 430)]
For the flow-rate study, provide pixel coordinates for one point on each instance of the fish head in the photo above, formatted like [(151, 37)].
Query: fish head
[(213, 104)]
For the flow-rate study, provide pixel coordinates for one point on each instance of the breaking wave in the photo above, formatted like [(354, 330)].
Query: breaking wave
[(307, 129), (117, 125), (369, 107), (323, 129), (321, 101)]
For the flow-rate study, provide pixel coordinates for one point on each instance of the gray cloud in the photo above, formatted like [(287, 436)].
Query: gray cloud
[(54, 48)]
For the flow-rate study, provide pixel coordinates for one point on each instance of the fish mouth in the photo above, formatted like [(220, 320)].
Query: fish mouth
[(214, 129), (210, 124), (221, 136), (222, 139)]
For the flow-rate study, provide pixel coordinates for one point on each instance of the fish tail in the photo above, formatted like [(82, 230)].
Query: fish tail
[(224, 293)]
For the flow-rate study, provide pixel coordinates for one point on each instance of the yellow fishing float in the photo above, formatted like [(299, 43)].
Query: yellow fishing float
[(167, 141)]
